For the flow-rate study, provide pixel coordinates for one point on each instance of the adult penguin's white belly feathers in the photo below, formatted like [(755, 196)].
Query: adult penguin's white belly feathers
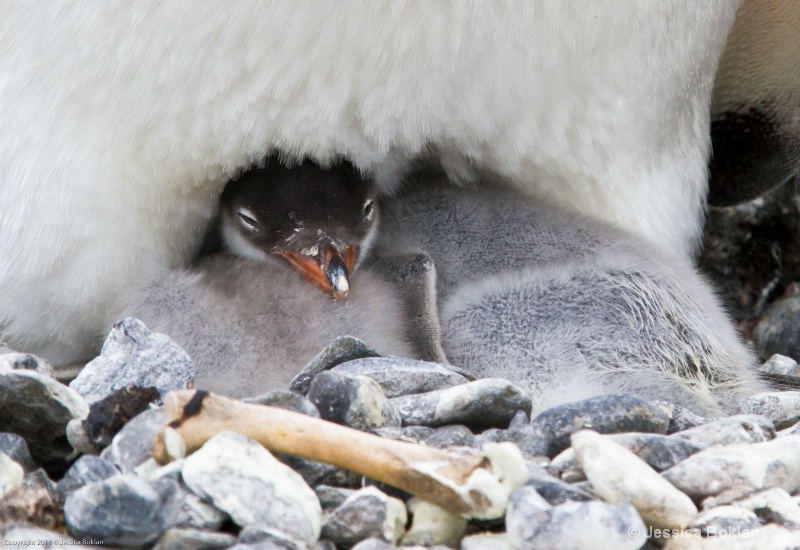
[(121, 121)]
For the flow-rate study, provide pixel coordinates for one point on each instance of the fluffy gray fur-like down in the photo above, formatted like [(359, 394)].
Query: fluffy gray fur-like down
[(567, 306), (251, 327)]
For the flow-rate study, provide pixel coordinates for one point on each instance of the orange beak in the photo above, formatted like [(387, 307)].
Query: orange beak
[(326, 268)]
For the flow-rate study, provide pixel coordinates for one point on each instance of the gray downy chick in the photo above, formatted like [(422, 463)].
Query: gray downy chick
[(250, 320), (568, 306)]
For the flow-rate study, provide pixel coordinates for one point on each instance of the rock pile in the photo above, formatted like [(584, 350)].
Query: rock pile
[(614, 471)]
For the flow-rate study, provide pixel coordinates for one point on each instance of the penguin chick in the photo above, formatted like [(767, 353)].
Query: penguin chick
[(251, 326), (568, 306), (320, 221)]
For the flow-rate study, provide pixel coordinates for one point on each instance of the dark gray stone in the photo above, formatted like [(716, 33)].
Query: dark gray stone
[(606, 414), (179, 538), (454, 435), (134, 443), (285, 399), (778, 328), (553, 490), (134, 355), (15, 447), (680, 418), (529, 439), (345, 348), (366, 514), (355, 401), (409, 434), (196, 513), (319, 473), (486, 403), (124, 510), (398, 376), (773, 506), (332, 497), (39, 408), (261, 538), (782, 408)]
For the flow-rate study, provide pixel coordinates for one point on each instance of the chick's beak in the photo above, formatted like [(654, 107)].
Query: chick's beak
[(324, 265)]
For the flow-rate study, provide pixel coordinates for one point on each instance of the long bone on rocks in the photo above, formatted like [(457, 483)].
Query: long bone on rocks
[(472, 485)]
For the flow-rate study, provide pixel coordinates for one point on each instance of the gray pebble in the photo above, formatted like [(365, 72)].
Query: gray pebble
[(124, 510), (782, 408), (374, 544), (87, 469), (196, 513), (486, 403), (780, 364), (133, 445), (724, 520), (11, 474), (735, 471), (319, 473), (398, 376), (680, 418), (606, 414), (179, 538), (574, 525), (776, 332), (244, 480), (15, 447), (344, 348), (264, 538), (134, 355), (773, 506), (355, 401), (332, 497), (455, 435), (365, 514), (552, 489), (25, 361), (660, 452), (39, 408), (487, 541), (285, 399), (528, 438), (743, 428), (409, 434)]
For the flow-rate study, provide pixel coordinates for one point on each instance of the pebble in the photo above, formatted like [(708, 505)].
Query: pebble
[(25, 361), (680, 418), (16, 449), (354, 401), (132, 355), (38, 408), (263, 538), (123, 510), (486, 403), (777, 330), (553, 490), (487, 541), (409, 434), (341, 350), (780, 364), (368, 513), (572, 525), (722, 520), (660, 452), (741, 428), (773, 506), (331, 497), (455, 435), (619, 476), (285, 399), (736, 471), (11, 474), (244, 480), (605, 414), (133, 445), (87, 469), (196, 513), (782, 408), (398, 376), (179, 538), (772, 537), (108, 415), (432, 525)]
